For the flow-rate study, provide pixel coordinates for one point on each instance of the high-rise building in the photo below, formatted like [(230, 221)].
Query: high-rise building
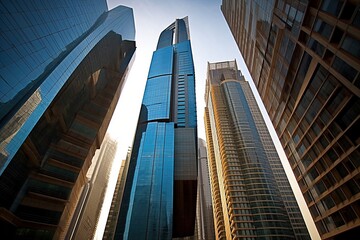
[(252, 197), (84, 222), (114, 210), (63, 65), (304, 57), (159, 200), (204, 212)]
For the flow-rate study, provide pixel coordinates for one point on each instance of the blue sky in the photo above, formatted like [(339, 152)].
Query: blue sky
[(211, 41)]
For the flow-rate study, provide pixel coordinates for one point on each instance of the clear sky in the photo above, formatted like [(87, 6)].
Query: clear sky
[(211, 41)]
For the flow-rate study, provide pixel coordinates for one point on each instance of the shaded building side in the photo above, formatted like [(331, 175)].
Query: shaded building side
[(205, 220)]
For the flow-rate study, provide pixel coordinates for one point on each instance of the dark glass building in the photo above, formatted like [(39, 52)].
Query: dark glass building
[(252, 197), (62, 68), (304, 57), (159, 200)]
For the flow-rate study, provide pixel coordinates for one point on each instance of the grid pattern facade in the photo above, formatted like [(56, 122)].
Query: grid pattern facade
[(305, 62), (58, 109), (211, 138), (159, 200), (255, 195)]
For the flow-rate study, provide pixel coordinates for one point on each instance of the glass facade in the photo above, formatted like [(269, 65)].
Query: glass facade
[(62, 67), (152, 198), (159, 200), (308, 78), (253, 191), (40, 49)]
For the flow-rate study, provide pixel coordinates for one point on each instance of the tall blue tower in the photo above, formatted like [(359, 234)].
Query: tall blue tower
[(160, 194)]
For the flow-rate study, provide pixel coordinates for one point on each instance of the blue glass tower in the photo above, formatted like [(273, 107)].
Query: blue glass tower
[(62, 67), (159, 199), (41, 45)]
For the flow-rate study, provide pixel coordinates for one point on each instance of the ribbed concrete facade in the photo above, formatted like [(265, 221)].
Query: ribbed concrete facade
[(252, 197)]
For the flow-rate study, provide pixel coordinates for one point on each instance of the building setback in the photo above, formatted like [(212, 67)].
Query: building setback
[(63, 65), (252, 197), (159, 200), (304, 57)]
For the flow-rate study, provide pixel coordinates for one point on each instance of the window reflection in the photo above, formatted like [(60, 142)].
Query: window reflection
[(323, 28), (351, 45)]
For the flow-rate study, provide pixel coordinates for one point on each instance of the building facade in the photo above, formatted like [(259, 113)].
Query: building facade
[(252, 197), (62, 69), (304, 57), (85, 219), (159, 200), (204, 212), (114, 210)]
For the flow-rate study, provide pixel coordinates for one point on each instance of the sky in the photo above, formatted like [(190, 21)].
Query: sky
[(211, 41)]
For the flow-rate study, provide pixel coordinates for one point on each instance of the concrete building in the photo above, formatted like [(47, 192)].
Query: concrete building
[(252, 197)]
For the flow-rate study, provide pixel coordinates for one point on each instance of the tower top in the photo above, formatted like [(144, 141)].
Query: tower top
[(175, 33)]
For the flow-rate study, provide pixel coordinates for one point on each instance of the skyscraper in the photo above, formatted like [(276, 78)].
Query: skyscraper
[(204, 212), (84, 222), (114, 210), (63, 65), (252, 197), (159, 199), (304, 57)]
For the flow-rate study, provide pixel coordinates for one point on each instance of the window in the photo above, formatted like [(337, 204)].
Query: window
[(344, 69), (332, 6), (317, 47), (323, 28), (351, 45), (356, 21)]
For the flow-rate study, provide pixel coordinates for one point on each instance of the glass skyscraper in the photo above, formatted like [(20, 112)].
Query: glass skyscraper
[(62, 67), (252, 197), (159, 200), (304, 57)]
